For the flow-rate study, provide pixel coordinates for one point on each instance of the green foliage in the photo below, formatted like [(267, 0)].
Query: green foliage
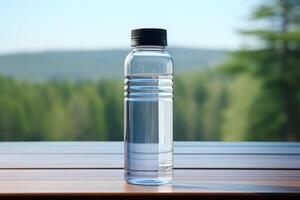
[(272, 36), (253, 96), (267, 98), (264, 11), (93, 110), (56, 110), (242, 92), (198, 104)]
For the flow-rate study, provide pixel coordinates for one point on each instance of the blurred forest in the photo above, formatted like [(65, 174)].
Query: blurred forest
[(254, 95)]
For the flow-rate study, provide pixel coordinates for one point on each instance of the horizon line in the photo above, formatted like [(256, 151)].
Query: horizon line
[(37, 51)]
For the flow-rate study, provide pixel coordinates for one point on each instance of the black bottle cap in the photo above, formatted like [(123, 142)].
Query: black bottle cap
[(149, 36)]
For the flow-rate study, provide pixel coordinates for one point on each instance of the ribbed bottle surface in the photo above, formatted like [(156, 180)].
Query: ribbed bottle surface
[(144, 87), (148, 129)]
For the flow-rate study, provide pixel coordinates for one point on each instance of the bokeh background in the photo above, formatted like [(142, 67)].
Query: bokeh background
[(237, 67)]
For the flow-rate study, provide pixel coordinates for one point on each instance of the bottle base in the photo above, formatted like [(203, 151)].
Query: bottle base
[(148, 182)]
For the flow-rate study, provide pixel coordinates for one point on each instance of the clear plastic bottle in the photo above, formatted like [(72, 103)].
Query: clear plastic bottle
[(148, 114)]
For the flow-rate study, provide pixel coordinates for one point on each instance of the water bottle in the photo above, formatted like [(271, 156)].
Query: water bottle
[(148, 109)]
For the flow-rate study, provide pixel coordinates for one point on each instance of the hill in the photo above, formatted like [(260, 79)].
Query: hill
[(94, 64)]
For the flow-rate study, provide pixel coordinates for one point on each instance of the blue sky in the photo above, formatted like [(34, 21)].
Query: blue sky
[(32, 25)]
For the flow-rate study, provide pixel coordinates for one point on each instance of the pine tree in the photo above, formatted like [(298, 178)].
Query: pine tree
[(276, 62)]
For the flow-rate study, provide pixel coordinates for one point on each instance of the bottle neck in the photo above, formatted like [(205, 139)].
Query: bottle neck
[(149, 48)]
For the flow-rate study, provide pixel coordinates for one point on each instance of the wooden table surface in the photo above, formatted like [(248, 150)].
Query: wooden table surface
[(90, 170)]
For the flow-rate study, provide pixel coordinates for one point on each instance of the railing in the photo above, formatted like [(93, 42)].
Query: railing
[(202, 169)]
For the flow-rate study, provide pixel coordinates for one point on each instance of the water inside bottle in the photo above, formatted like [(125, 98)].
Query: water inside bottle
[(148, 130)]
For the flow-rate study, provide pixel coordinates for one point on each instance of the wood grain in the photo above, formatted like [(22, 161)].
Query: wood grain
[(111, 181), (93, 169)]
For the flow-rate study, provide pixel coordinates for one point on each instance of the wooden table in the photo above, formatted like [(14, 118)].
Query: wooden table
[(89, 170)]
